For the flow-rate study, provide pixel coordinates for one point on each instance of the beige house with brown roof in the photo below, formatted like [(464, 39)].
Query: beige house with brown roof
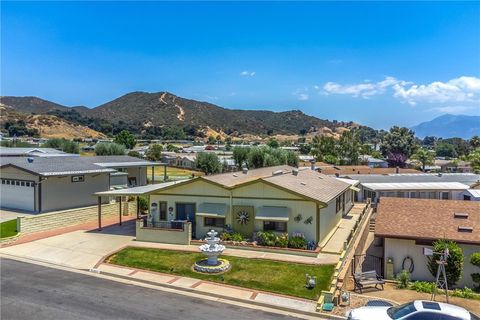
[(279, 199), (409, 225)]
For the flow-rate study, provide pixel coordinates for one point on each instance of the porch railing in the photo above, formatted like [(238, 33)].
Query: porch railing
[(176, 225)]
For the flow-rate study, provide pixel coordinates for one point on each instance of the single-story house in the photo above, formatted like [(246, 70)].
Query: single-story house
[(407, 226), (40, 184), (347, 171), (373, 162), (453, 165), (281, 199), (447, 186), (186, 161)]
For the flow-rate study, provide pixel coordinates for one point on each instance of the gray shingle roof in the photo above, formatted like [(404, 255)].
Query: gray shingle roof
[(54, 166), (121, 161)]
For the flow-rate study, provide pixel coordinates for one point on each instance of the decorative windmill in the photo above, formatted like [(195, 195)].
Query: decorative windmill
[(441, 279)]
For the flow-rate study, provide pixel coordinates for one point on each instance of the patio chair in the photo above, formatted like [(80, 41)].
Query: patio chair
[(327, 301)]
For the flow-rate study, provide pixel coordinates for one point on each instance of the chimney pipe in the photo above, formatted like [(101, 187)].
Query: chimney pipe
[(244, 170), (295, 172), (312, 164), (397, 169)]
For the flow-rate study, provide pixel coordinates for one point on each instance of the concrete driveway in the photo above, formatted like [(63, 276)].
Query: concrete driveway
[(7, 214), (78, 249)]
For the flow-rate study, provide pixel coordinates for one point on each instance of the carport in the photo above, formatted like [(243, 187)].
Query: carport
[(129, 192)]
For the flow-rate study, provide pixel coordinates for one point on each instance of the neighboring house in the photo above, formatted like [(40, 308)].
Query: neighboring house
[(33, 152), (373, 162), (279, 199), (446, 186), (471, 194), (453, 165), (346, 171), (186, 161), (41, 184), (409, 225)]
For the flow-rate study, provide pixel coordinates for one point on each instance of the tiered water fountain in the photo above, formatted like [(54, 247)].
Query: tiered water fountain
[(212, 249)]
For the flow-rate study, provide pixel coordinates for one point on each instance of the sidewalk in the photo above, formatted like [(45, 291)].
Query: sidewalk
[(209, 288)]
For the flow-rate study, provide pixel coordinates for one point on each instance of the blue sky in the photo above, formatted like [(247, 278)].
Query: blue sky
[(378, 64)]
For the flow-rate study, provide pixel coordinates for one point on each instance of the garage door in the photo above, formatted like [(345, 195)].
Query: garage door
[(17, 194)]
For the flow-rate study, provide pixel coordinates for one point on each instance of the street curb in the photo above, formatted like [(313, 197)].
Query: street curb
[(214, 295)]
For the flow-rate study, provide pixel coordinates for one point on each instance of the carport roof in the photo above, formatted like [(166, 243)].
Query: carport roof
[(139, 191)]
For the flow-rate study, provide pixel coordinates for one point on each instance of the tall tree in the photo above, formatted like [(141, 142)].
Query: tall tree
[(125, 138), (475, 142), (109, 149), (398, 145), (154, 152), (349, 147), (208, 162), (474, 158), (64, 145), (424, 156), (240, 155), (323, 146)]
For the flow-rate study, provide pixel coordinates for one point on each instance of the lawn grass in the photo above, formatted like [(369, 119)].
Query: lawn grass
[(173, 173), (8, 228), (267, 275)]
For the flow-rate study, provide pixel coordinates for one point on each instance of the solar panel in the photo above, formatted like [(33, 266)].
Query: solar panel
[(430, 305)]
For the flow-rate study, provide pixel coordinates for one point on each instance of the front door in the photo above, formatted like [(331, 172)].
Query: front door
[(186, 212), (243, 220)]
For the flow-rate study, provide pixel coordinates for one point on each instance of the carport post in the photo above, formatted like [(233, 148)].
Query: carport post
[(153, 174), (138, 207), (164, 173), (120, 210), (100, 213)]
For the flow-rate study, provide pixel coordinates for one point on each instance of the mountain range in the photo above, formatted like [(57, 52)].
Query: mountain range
[(449, 126), (143, 111)]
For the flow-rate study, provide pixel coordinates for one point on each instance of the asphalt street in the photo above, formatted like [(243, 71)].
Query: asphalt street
[(30, 291)]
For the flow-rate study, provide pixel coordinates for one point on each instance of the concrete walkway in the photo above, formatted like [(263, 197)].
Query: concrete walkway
[(209, 288), (320, 259), (335, 245), (7, 215)]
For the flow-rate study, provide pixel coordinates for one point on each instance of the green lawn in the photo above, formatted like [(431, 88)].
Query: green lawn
[(8, 228), (280, 277)]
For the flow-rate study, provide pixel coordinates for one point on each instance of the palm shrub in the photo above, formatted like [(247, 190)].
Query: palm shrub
[(403, 279), (475, 260), (266, 238), (282, 240), (454, 266)]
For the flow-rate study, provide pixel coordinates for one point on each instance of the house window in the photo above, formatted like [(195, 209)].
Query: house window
[(444, 195), (275, 226), (214, 222), (163, 210), (78, 178), (3, 181)]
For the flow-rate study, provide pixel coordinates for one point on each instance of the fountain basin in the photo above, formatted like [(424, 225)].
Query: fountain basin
[(205, 266)]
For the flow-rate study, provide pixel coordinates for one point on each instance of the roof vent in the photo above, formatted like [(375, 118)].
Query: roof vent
[(303, 183), (440, 174), (465, 229), (244, 170), (235, 175), (337, 174), (30, 159), (461, 215), (276, 173), (397, 169), (295, 172)]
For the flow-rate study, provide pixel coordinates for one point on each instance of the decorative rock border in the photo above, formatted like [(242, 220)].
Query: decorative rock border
[(203, 267)]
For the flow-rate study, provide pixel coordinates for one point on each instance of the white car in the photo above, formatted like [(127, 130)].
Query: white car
[(416, 310)]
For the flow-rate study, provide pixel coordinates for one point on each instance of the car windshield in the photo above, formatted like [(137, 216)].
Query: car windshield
[(401, 311)]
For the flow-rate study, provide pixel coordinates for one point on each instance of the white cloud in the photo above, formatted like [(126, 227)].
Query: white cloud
[(247, 73), (456, 109), (461, 89), (302, 94)]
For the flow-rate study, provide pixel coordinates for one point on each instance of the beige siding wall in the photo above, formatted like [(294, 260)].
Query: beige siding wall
[(398, 249), (198, 187), (163, 235), (66, 218), (329, 218), (60, 193)]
